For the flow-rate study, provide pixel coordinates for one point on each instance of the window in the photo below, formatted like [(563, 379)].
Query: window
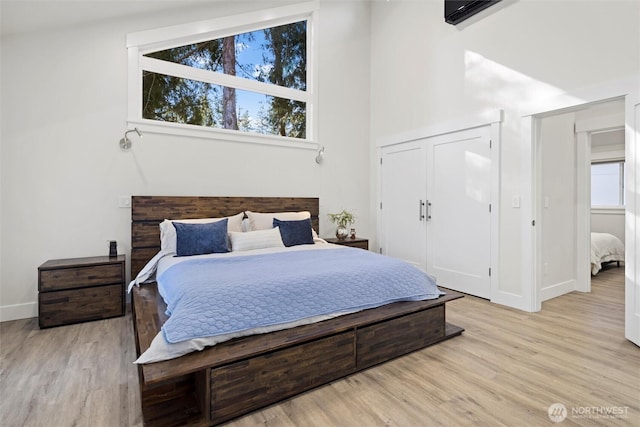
[(607, 184), (245, 77)]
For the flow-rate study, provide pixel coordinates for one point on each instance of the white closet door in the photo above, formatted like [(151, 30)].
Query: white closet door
[(402, 210), (459, 226)]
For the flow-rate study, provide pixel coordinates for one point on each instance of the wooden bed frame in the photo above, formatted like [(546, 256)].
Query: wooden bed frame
[(239, 376)]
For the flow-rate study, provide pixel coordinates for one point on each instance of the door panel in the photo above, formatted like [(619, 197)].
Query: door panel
[(459, 227), (632, 281), (403, 178)]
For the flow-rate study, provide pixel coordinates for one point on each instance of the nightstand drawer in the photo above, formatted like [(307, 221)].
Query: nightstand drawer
[(80, 289), (80, 277), (80, 305)]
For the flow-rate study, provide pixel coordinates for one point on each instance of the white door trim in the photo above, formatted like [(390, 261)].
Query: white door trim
[(583, 211), (530, 299), (496, 167), (451, 126)]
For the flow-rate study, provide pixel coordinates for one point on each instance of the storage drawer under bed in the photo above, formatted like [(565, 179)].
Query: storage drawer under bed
[(383, 341), (244, 386)]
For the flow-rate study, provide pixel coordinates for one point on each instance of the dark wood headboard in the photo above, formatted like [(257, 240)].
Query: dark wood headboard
[(147, 212)]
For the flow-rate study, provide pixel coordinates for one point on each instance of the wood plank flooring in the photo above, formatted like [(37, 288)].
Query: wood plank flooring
[(506, 369)]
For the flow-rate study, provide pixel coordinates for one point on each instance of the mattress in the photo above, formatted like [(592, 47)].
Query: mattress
[(217, 297)]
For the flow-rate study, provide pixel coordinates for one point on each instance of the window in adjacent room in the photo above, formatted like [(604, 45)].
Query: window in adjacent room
[(607, 184), (245, 77)]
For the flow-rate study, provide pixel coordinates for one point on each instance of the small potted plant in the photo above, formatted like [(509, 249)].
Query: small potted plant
[(343, 220)]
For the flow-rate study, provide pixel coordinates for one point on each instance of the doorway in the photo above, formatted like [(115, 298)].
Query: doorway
[(604, 167), (531, 259), (563, 193)]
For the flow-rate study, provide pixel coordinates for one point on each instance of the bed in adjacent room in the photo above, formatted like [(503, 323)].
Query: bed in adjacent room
[(214, 336), (605, 248)]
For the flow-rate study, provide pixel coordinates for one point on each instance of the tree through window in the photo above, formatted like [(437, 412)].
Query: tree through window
[(275, 56), (255, 81)]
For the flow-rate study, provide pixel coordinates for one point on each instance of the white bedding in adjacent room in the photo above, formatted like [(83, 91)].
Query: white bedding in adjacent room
[(605, 247)]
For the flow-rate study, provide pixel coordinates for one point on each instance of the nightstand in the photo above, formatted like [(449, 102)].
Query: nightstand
[(80, 289), (354, 243)]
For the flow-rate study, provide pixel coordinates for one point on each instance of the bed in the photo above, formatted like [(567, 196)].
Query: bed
[(244, 374), (605, 248)]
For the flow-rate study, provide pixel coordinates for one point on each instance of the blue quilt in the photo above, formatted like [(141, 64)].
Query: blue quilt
[(212, 296)]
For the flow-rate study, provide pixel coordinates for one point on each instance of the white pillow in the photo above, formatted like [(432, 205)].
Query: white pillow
[(168, 231), (263, 221), (245, 241)]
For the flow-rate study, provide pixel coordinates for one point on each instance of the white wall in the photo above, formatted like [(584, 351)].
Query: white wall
[(608, 221), (63, 110), (64, 98), (518, 56), (558, 207)]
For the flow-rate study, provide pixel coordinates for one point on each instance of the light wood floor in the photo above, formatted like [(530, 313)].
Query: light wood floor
[(505, 370)]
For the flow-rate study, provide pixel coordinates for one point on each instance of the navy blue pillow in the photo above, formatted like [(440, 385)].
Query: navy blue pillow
[(199, 239), (295, 232)]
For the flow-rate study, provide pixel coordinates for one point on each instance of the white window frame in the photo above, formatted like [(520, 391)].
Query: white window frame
[(143, 42)]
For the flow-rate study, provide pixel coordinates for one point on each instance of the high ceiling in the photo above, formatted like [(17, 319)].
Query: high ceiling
[(20, 16)]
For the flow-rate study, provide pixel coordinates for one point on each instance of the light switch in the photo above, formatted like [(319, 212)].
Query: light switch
[(124, 201), (515, 202)]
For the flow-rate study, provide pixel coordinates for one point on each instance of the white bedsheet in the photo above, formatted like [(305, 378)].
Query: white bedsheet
[(605, 247)]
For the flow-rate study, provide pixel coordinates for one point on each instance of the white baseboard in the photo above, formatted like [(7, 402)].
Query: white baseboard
[(558, 289), (18, 311), (512, 300)]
